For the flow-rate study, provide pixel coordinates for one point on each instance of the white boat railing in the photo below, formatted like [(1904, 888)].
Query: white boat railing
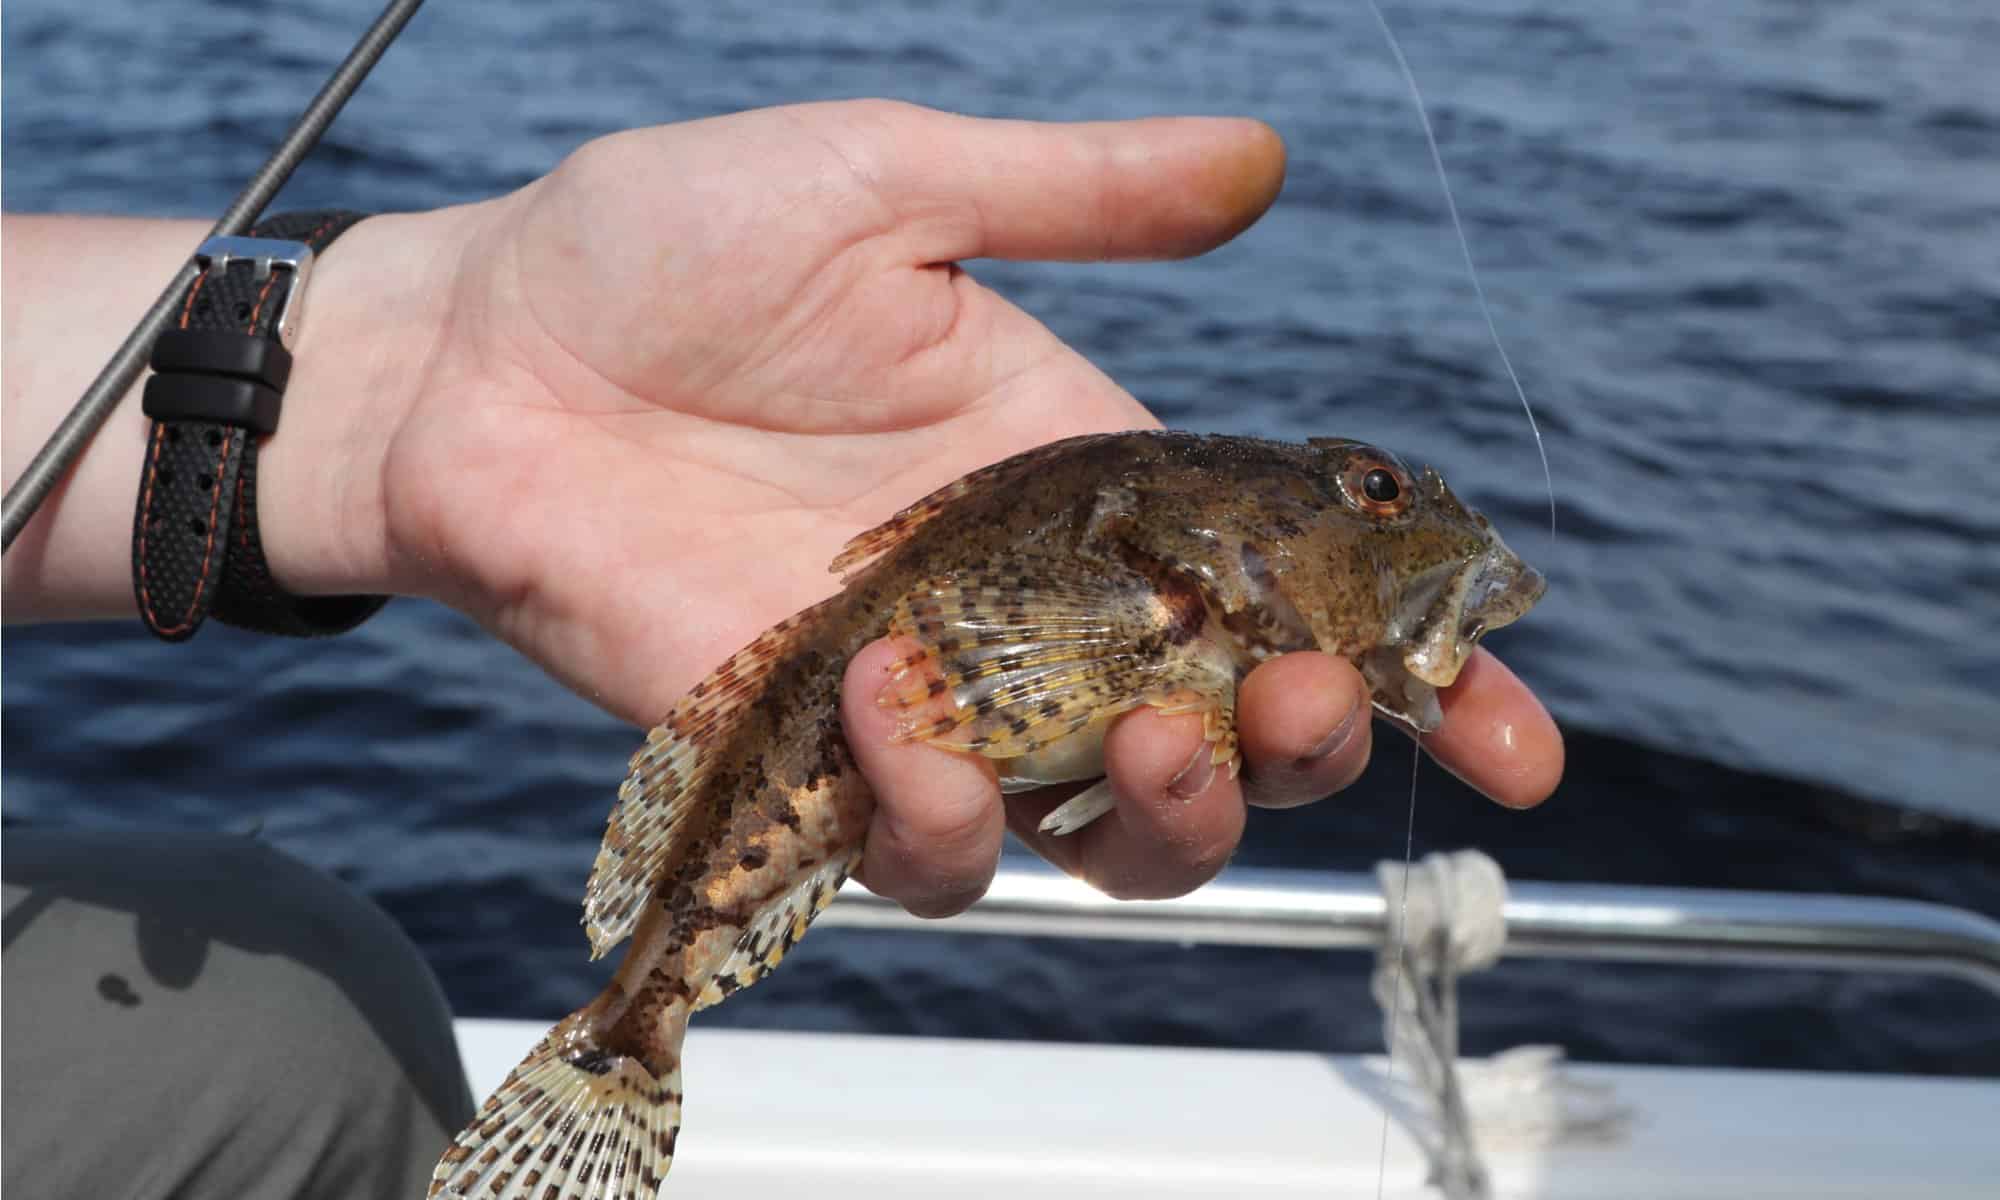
[(1344, 910)]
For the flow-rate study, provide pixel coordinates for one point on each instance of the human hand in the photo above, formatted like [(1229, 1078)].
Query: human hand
[(668, 380)]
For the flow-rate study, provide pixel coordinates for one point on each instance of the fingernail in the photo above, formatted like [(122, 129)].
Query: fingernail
[(1196, 776), (1343, 732)]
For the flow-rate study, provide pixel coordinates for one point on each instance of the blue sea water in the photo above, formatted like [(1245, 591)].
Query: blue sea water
[(1746, 257)]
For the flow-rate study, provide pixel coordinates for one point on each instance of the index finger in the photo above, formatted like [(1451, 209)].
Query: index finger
[(1496, 735)]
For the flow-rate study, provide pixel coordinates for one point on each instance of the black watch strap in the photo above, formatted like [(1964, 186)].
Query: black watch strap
[(216, 392)]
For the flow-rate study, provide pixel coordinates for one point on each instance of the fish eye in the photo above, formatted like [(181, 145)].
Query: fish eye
[(1377, 487)]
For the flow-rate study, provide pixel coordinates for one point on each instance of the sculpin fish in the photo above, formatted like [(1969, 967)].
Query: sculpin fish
[(1042, 597)]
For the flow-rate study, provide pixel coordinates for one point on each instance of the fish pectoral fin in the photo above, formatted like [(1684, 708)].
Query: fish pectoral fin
[(775, 929), (1016, 657), (573, 1119), (651, 826)]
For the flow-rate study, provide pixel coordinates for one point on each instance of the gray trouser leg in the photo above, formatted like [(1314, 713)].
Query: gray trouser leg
[(193, 1015)]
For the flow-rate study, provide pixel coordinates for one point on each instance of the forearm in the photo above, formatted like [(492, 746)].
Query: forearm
[(73, 287)]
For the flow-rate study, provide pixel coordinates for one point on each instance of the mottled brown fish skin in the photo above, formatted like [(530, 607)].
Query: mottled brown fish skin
[(782, 797), (1049, 592), (1255, 534)]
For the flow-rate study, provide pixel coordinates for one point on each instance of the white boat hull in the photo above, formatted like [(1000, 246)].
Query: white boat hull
[(851, 1117)]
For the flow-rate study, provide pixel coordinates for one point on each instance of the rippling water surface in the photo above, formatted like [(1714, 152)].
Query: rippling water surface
[(1745, 256)]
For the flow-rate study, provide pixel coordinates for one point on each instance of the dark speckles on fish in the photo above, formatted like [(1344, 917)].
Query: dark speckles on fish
[(1046, 595)]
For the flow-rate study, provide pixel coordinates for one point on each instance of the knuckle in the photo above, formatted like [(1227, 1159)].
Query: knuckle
[(957, 829), (597, 160), (885, 110), (943, 863)]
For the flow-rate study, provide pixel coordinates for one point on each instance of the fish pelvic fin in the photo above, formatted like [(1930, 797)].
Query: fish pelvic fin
[(662, 808), (576, 1119)]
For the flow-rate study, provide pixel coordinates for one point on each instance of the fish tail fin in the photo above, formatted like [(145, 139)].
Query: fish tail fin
[(577, 1118)]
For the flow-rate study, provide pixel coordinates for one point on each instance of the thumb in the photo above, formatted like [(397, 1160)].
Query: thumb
[(1162, 187)]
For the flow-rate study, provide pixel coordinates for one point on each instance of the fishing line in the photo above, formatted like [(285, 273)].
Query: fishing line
[(56, 456), (1402, 945), (1465, 249), (1548, 479)]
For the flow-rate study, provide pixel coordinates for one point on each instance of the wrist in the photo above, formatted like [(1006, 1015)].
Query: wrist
[(375, 313)]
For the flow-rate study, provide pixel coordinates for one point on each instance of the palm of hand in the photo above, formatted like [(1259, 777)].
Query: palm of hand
[(697, 347), (676, 374)]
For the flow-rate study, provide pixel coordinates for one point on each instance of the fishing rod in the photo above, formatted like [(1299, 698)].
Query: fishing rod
[(56, 456)]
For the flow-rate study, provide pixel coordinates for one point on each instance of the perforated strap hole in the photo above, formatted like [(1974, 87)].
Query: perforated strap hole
[(204, 482), (214, 437), (166, 477), (197, 526)]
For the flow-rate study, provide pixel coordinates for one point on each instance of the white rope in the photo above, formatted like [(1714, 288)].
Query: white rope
[(1452, 919), (1456, 908)]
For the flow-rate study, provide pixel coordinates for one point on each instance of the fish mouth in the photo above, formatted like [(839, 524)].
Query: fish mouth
[(1438, 621)]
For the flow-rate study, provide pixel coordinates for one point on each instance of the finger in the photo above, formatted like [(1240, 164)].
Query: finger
[(1496, 735), (1303, 727), (1178, 817), (1163, 187), (935, 837)]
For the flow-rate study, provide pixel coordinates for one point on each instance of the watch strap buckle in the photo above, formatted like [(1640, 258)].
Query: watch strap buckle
[(266, 255)]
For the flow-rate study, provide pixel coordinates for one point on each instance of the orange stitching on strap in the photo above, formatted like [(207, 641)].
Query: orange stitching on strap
[(208, 548), (187, 310), (152, 471), (221, 468), (145, 522), (262, 296), (215, 493), (214, 503)]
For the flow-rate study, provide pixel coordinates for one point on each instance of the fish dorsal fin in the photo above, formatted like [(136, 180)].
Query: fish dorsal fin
[(863, 548), (776, 928), (654, 823)]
